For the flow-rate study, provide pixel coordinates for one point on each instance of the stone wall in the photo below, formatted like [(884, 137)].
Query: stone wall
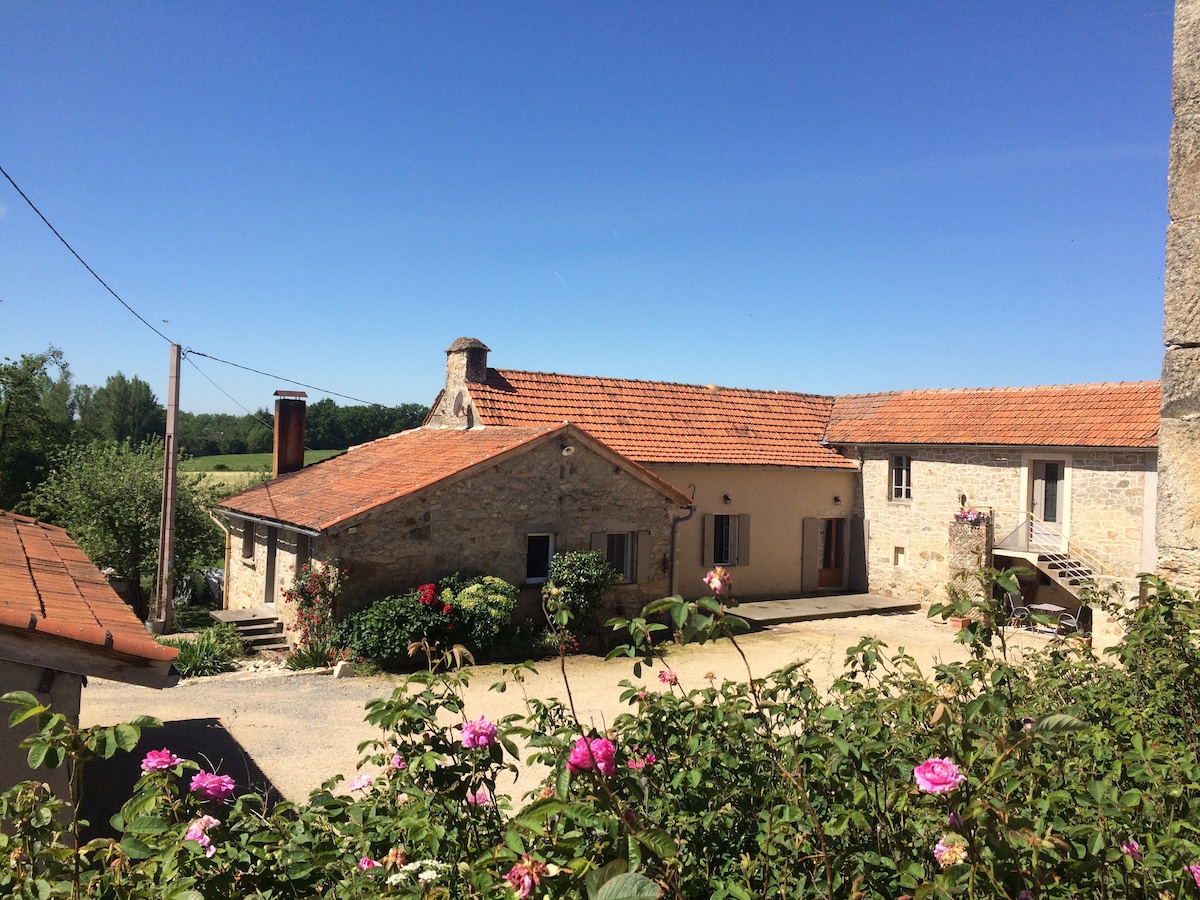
[(1110, 500), (479, 526), (1178, 522)]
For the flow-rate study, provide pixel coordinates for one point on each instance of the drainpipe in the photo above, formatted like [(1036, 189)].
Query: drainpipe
[(674, 530)]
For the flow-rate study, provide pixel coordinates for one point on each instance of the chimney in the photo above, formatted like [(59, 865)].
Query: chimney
[(466, 361), (289, 432)]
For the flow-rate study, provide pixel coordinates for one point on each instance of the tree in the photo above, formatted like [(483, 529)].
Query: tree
[(125, 409), (108, 496), (36, 417)]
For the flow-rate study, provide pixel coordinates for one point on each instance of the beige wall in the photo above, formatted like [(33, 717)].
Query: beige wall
[(479, 526), (777, 500), (62, 697), (1110, 497)]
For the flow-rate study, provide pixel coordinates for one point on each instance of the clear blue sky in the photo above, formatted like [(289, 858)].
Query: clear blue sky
[(827, 197)]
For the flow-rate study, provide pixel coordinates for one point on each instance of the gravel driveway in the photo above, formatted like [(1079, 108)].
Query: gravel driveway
[(287, 733)]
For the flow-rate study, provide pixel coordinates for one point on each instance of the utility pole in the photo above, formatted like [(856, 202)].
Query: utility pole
[(164, 600)]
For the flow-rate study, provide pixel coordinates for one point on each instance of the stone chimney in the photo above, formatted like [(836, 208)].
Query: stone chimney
[(289, 432), (466, 364)]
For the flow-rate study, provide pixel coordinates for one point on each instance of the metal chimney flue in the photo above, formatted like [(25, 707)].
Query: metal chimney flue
[(288, 454)]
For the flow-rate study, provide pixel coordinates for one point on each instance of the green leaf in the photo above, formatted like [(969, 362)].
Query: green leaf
[(597, 878), (657, 606), (658, 842), (37, 753), (126, 736), (147, 825), (1059, 723), (135, 849), (144, 722), (629, 886)]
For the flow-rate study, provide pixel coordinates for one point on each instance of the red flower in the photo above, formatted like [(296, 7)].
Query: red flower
[(447, 609)]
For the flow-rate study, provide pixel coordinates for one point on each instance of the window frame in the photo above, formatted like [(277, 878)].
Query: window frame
[(900, 477), (736, 544), (538, 579)]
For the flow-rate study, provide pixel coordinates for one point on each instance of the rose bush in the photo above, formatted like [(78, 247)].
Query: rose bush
[(1054, 776)]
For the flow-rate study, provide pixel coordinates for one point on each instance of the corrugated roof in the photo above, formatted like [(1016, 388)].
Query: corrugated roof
[(655, 422), (1124, 414), (50, 587), (333, 492)]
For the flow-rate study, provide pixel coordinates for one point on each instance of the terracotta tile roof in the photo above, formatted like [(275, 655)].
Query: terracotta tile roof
[(655, 422), (1124, 414), (337, 491), (49, 587)]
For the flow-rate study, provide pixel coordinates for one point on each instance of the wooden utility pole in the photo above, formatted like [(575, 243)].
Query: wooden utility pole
[(164, 599)]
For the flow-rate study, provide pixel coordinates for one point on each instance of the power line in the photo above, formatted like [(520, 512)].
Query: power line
[(81, 259), (311, 387), (204, 375), (83, 262)]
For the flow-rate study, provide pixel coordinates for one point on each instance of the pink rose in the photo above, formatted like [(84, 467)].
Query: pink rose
[(525, 876), (397, 763), (479, 798), (478, 734), (938, 776), (197, 832), (367, 863), (593, 753), (211, 786), (1194, 869), (361, 783), (157, 760), (666, 676)]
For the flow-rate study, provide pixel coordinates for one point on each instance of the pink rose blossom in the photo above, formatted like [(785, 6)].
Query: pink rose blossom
[(938, 776), (367, 863), (1132, 849), (589, 753), (158, 760), (361, 783), (397, 762), (211, 786), (666, 676), (717, 580), (479, 798), (525, 876), (478, 734), (648, 760), (197, 832), (1194, 868), (950, 851)]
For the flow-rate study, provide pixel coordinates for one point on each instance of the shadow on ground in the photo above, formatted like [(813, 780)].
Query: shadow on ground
[(108, 783)]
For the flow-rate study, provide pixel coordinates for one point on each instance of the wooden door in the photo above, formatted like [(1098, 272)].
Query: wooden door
[(833, 553)]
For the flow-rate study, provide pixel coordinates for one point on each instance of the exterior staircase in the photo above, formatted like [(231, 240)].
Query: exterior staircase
[(1068, 571), (258, 628), (1044, 546)]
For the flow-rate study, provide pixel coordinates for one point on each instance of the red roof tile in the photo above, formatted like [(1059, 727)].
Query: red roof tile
[(656, 422), (50, 587), (337, 491), (1124, 414)]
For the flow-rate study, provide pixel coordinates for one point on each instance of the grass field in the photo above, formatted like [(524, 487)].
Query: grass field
[(247, 462)]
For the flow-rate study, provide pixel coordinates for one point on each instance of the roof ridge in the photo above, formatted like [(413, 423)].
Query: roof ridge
[(714, 388), (1085, 385)]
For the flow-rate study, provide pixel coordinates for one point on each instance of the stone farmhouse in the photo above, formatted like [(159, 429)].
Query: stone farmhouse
[(414, 507), (795, 494), (60, 622)]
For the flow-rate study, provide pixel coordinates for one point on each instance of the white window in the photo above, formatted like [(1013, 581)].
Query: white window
[(539, 548), (727, 540), (901, 477)]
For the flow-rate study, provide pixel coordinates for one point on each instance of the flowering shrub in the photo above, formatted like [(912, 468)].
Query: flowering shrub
[(972, 516), (312, 598), (1050, 777)]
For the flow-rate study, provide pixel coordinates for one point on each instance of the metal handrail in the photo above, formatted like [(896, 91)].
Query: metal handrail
[(1022, 538)]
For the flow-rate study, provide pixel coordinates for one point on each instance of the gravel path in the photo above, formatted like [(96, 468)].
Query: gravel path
[(293, 731)]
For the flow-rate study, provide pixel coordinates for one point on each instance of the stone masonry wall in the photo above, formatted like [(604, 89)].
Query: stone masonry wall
[(1178, 520), (1107, 498), (479, 525)]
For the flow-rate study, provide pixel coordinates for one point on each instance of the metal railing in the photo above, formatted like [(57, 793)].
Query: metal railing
[(1035, 535)]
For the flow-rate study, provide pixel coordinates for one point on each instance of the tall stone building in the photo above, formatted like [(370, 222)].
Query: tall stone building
[(1178, 526)]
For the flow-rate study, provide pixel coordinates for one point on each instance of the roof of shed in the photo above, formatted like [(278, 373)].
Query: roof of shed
[(334, 493), (50, 590), (1124, 414), (658, 423)]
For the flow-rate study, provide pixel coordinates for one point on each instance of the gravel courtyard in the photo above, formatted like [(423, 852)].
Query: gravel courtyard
[(289, 732)]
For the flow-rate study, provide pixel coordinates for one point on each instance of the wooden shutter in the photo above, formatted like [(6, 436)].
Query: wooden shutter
[(810, 561), (857, 544), (743, 539), (706, 541), (641, 554)]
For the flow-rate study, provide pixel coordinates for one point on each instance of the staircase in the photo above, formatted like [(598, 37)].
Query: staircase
[(259, 628), (1044, 546)]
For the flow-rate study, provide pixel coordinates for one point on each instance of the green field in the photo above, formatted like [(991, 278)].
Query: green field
[(247, 462)]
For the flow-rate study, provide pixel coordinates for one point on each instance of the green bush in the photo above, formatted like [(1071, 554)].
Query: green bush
[(581, 577), (193, 618), (210, 652)]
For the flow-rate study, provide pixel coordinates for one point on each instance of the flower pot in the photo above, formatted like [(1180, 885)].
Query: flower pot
[(958, 623)]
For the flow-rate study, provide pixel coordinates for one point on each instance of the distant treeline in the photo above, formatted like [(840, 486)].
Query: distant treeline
[(42, 411), (329, 427)]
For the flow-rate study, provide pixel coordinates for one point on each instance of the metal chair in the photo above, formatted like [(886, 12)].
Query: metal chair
[(1079, 623), (1015, 610)]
